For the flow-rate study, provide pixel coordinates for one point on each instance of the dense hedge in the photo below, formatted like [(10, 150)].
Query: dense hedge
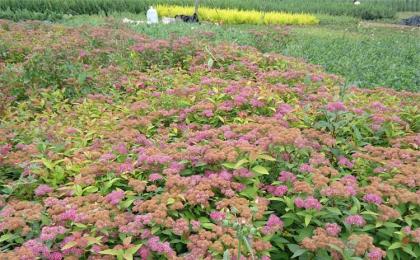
[(371, 9)]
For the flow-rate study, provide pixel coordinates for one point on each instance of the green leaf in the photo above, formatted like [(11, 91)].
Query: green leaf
[(408, 250), (240, 163), (336, 248), (260, 170), (90, 189), (390, 254), (293, 247), (395, 246), (368, 212), (266, 157), (229, 165), (134, 249), (127, 256), (250, 192), (226, 255), (203, 220), (221, 119), (408, 220), (109, 183), (307, 220), (111, 252), (79, 225), (127, 203), (93, 240), (334, 210), (391, 225), (248, 247), (299, 252), (48, 164), (356, 206), (69, 245), (385, 243), (208, 225), (210, 63), (7, 237), (368, 227)]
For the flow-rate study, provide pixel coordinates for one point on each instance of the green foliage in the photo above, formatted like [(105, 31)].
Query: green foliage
[(24, 14), (370, 9), (366, 57)]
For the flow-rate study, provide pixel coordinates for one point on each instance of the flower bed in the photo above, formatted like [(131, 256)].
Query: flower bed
[(113, 144)]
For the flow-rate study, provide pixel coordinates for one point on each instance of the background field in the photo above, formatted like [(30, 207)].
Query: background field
[(372, 54), (365, 54), (369, 9)]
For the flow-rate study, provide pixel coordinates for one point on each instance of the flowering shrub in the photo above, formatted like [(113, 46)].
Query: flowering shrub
[(233, 16), (113, 145)]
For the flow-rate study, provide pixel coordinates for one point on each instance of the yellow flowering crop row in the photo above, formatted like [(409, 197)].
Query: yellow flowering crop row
[(234, 16)]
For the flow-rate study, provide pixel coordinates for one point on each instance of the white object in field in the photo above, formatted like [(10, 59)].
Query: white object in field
[(357, 3), (126, 20), (152, 16), (167, 20), (138, 22)]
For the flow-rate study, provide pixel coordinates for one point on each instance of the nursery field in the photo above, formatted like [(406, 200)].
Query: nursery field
[(136, 142), (366, 54), (369, 9)]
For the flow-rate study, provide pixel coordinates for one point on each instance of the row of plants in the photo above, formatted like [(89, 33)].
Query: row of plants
[(234, 16), (399, 5), (114, 145), (370, 9), (24, 14), (339, 44), (366, 57)]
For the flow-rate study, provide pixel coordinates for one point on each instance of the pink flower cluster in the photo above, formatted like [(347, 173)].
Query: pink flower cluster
[(283, 110), (306, 168), (115, 197), (343, 161), (155, 177), (51, 232), (75, 250), (333, 229), (217, 215), (70, 214), (120, 148), (107, 157), (273, 224), (355, 220), (277, 191), (5, 149), (336, 106), (308, 203), (195, 225), (376, 254), (373, 198), (180, 227), (157, 246), (37, 247), (126, 167), (286, 176), (43, 189)]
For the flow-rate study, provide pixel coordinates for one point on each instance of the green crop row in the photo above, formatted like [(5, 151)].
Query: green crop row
[(368, 9)]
